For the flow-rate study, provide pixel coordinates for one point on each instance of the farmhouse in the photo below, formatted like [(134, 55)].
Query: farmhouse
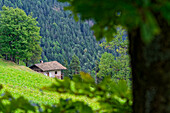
[(51, 69)]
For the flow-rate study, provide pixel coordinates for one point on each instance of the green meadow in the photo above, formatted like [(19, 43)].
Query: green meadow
[(22, 81)]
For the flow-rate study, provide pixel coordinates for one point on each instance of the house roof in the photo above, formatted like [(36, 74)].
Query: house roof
[(50, 66)]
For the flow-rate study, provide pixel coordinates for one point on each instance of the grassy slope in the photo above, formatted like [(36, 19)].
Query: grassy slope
[(22, 81)]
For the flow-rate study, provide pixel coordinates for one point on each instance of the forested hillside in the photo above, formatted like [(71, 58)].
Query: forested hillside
[(62, 37)]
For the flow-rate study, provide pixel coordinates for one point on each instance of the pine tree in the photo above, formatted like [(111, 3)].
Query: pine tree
[(75, 65), (67, 71)]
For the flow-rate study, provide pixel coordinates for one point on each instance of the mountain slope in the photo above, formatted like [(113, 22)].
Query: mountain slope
[(22, 81), (62, 37)]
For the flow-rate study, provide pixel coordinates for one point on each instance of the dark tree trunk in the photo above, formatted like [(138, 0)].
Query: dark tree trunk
[(6, 57), (14, 60), (27, 64), (151, 70), (11, 58)]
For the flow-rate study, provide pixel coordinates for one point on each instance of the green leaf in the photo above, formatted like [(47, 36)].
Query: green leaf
[(149, 28)]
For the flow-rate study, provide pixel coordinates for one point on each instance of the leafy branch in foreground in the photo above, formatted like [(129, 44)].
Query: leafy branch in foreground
[(148, 24), (112, 96), (68, 106), (9, 104)]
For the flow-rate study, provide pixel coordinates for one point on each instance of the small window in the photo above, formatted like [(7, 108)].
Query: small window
[(55, 72), (61, 77)]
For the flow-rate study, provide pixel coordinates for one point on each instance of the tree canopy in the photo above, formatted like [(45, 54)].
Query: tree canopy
[(19, 35), (118, 66)]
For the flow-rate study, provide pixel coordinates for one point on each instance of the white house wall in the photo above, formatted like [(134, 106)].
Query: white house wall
[(59, 73), (52, 73), (45, 73)]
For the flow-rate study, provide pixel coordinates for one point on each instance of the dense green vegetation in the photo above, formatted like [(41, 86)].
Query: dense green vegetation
[(113, 97), (148, 24), (80, 94), (117, 66), (22, 81), (62, 36), (19, 36), (83, 84)]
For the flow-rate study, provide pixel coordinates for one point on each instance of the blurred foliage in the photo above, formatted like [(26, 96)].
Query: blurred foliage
[(107, 14), (113, 97), (68, 106), (9, 104)]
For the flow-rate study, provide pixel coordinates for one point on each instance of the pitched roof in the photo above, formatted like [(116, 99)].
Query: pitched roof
[(49, 66)]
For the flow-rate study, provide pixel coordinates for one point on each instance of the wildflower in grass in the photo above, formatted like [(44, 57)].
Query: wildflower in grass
[(68, 99), (2, 94)]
